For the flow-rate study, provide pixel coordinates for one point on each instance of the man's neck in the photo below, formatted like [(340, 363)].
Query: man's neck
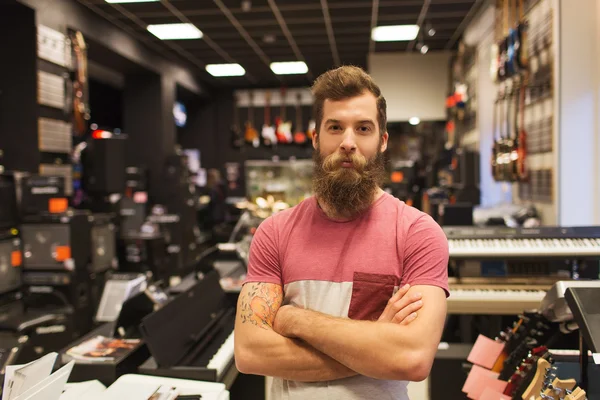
[(334, 215)]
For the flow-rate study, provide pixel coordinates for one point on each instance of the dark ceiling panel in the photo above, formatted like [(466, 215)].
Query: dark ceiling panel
[(305, 20)]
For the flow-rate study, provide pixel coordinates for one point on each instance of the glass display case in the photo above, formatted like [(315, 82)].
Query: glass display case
[(287, 181)]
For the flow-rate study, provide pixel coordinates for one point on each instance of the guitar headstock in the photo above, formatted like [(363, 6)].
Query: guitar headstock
[(560, 389)]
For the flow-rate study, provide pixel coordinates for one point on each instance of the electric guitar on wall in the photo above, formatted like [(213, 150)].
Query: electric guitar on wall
[(300, 135), (284, 127), (237, 140), (268, 130), (81, 113), (251, 134)]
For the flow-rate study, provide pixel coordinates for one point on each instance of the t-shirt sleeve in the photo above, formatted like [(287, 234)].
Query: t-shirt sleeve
[(263, 261), (426, 255)]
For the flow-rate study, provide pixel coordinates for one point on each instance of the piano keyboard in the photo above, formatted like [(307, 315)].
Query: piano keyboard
[(543, 242), (469, 248), (223, 357), (494, 301)]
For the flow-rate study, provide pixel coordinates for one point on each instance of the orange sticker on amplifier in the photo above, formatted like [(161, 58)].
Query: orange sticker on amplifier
[(63, 253), (58, 205), (397, 176), (16, 258)]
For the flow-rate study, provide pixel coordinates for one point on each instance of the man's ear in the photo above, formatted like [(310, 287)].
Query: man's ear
[(384, 141), (315, 140)]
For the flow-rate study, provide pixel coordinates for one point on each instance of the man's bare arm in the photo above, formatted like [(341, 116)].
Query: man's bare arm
[(379, 350), (260, 350)]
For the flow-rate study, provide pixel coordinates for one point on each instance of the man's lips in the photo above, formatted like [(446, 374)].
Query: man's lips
[(347, 164)]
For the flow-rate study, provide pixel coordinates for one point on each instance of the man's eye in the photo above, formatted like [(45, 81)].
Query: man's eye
[(334, 127), (365, 129)]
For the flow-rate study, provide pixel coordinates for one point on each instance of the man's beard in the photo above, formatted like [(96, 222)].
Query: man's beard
[(347, 192)]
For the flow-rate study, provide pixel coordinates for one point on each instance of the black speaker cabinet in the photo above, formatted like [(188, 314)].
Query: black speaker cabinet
[(132, 216), (9, 214), (10, 263), (57, 242), (38, 194), (104, 243), (144, 252), (104, 165)]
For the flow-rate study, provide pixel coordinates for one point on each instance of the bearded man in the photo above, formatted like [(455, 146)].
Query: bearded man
[(345, 296)]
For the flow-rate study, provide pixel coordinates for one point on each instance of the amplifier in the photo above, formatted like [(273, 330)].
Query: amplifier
[(57, 241), (136, 179), (144, 252), (103, 242), (10, 264), (103, 163), (9, 214), (65, 290), (132, 215), (38, 194)]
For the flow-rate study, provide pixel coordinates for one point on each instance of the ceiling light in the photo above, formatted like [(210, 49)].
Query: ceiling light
[(431, 32), (289, 67), (269, 38), (225, 69), (130, 1), (424, 49), (175, 31), (394, 33), (414, 120)]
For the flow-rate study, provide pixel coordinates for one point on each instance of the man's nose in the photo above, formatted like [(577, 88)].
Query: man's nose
[(348, 143)]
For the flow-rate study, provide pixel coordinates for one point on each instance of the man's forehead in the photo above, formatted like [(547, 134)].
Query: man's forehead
[(363, 105)]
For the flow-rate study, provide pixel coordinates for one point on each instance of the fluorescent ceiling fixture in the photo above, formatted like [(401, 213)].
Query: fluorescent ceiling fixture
[(175, 31), (394, 33), (225, 69), (414, 121), (130, 1), (289, 67)]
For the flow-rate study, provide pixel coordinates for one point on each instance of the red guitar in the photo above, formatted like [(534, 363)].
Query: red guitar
[(300, 135)]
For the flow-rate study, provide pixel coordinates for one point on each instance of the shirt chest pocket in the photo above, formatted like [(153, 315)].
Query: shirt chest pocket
[(370, 293)]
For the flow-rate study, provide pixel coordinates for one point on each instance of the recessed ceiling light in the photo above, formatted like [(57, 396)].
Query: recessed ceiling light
[(424, 49), (225, 69), (289, 67), (414, 120), (175, 31), (394, 33), (130, 1)]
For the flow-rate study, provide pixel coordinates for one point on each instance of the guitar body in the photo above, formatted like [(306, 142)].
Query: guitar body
[(510, 54), (522, 172), (268, 135), (502, 59), (523, 28), (81, 114), (251, 135)]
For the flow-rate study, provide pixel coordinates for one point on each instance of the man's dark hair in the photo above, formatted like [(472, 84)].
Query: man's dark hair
[(343, 83)]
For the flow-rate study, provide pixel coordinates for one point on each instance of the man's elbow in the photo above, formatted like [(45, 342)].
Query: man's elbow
[(243, 359), (414, 368)]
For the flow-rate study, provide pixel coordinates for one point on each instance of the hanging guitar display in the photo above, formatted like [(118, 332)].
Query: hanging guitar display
[(268, 130), (300, 135), (251, 134), (503, 46), (522, 50), (496, 143), (237, 140), (522, 173), (81, 112), (283, 127), (513, 151)]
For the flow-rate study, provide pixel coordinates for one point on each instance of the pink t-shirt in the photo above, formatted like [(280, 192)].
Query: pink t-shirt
[(347, 269)]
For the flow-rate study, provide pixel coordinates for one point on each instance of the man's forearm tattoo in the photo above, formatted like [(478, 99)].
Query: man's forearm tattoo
[(260, 304)]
